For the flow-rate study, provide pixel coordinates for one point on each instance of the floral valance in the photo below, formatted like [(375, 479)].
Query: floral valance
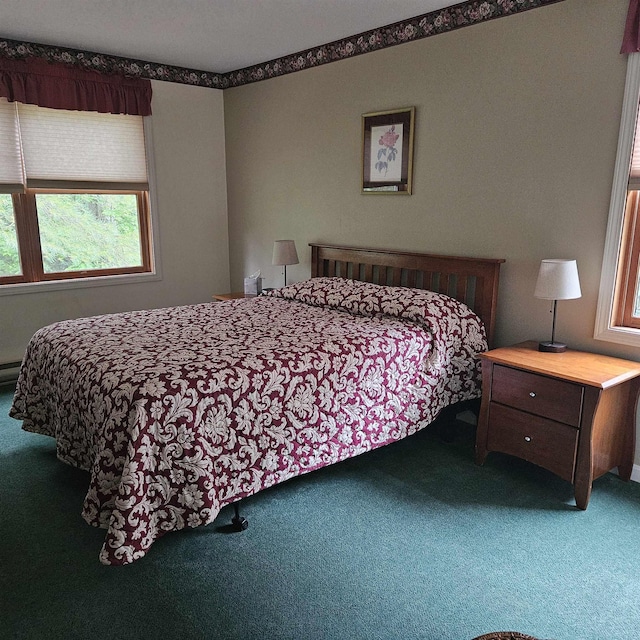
[(58, 86), (631, 40)]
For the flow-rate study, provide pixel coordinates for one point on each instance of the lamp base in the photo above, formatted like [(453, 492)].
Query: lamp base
[(552, 347)]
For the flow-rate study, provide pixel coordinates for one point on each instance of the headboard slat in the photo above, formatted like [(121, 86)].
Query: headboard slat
[(461, 288), (444, 284)]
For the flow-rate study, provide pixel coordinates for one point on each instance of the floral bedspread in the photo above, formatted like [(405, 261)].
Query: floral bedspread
[(177, 412)]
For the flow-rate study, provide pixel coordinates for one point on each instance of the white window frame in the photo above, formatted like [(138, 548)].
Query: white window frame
[(100, 281), (604, 327)]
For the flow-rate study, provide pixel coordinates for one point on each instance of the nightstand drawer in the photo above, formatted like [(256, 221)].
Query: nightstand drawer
[(548, 397), (548, 444)]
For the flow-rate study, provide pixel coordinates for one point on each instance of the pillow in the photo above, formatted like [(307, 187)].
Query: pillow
[(452, 323)]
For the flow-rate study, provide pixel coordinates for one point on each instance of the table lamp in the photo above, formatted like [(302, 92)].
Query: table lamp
[(557, 280), (284, 253)]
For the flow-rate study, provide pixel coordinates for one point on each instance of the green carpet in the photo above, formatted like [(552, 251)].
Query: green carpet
[(410, 541)]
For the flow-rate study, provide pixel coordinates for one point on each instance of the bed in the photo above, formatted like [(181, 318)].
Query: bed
[(177, 412)]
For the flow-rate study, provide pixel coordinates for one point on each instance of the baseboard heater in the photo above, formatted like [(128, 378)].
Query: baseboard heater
[(9, 372)]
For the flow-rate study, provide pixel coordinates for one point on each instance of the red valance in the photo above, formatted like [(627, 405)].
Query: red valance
[(631, 40), (36, 81)]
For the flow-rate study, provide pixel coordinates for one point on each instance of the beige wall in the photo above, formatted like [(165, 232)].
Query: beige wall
[(516, 132), (188, 137)]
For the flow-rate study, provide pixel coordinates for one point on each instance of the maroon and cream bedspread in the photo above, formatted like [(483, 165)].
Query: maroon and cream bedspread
[(176, 412)]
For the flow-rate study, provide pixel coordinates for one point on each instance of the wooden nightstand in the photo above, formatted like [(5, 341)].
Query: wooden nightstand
[(231, 296), (572, 413)]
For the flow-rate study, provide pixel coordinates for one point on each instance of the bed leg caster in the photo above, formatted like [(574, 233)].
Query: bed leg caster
[(239, 523)]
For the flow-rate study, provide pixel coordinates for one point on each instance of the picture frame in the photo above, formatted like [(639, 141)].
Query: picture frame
[(387, 151)]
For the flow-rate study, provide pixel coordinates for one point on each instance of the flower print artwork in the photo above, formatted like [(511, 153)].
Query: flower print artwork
[(386, 153)]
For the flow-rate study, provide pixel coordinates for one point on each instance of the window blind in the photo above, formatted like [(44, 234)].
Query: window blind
[(12, 178), (79, 149)]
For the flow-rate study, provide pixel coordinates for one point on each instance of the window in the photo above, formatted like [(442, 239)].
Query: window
[(626, 311), (618, 314), (74, 195)]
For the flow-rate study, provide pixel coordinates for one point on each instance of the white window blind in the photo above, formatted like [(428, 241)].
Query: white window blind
[(80, 149), (12, 177)]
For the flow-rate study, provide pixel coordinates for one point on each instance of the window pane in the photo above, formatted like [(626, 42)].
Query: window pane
[(9, 253), (85, 231)]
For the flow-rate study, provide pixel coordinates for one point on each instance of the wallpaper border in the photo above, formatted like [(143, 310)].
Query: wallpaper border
[(442, 21)]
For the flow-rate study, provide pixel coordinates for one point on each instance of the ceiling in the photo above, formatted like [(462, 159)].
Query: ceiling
[(208, 35)]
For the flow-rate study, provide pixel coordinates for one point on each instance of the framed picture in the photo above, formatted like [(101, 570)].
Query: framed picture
[(387, 151)]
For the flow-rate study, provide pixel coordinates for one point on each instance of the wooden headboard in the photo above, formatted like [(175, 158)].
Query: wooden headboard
[(473, 281)]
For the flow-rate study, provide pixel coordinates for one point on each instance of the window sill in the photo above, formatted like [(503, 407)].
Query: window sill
[(620, 335), (77, 283)]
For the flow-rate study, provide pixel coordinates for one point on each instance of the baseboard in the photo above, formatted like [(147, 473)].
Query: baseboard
[(9, 372), (635, 473)]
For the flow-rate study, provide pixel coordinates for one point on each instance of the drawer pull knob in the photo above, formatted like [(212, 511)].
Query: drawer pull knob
[(532, 394), (527, 438)]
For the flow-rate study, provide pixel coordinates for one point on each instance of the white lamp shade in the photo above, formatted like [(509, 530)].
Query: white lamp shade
[(558, 280), (284, 252)]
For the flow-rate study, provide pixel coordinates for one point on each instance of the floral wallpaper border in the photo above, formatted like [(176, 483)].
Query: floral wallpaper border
[(430, 24)]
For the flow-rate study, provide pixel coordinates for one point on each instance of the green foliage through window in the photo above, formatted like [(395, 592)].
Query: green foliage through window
[(81, 231), (9, 253)]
